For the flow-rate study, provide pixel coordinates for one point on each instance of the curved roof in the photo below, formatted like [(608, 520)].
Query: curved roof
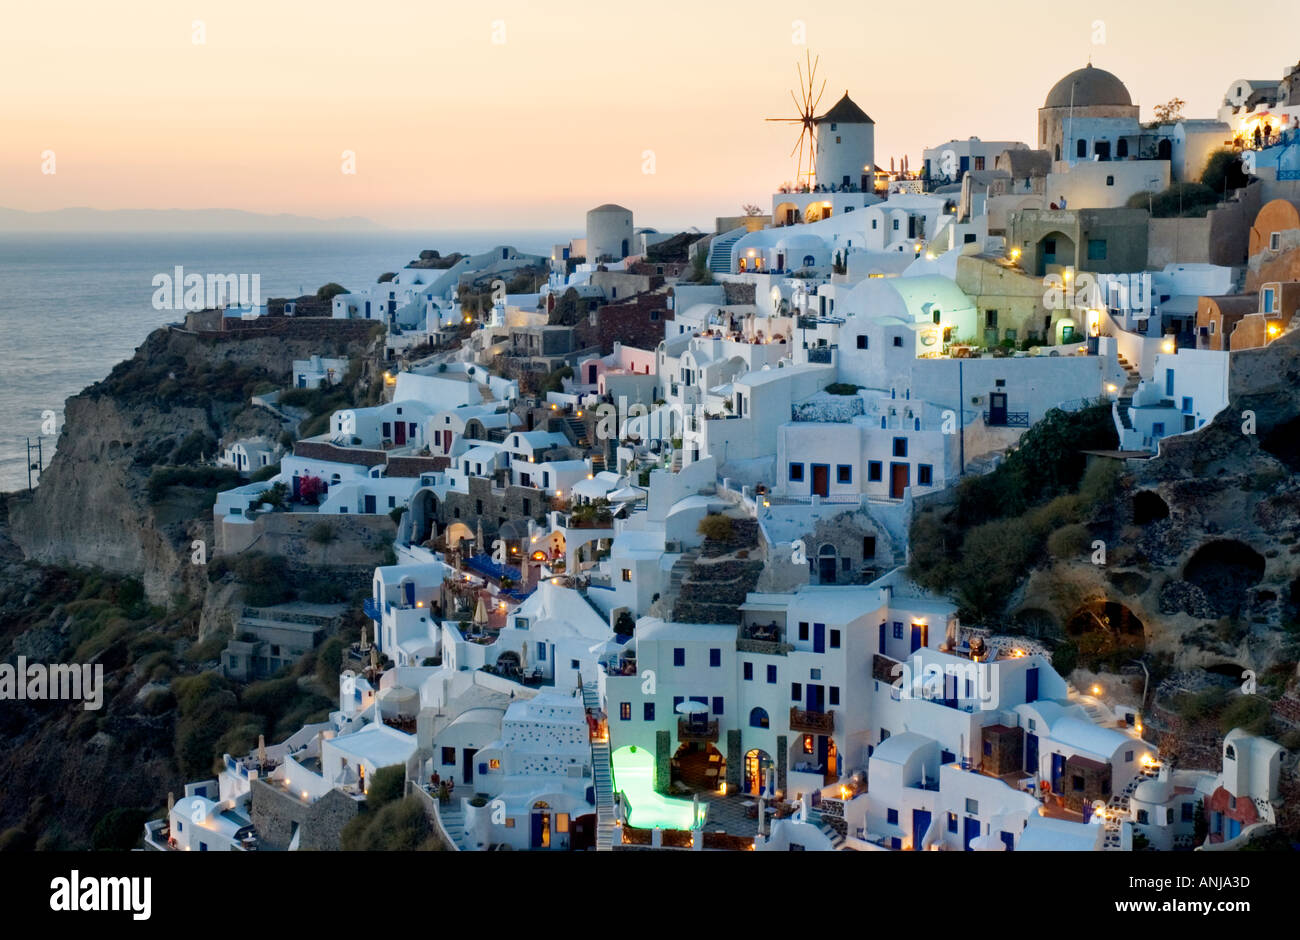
[(608, 207), (846, 112), (1091, 86)]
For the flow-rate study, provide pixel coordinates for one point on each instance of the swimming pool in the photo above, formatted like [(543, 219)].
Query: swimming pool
[(633, 769)]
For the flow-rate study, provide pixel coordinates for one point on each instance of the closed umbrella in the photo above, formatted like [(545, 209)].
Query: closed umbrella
[(480, 613)]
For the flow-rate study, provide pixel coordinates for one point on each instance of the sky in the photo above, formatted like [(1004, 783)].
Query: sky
[(508, 114)]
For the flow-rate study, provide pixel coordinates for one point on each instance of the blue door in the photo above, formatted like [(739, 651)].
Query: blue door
[(1234, 828), (1031, 753), (1058, 774), (918, 636), (816, 699), (1009, 840), (536, 836), (882, 626), (971, 830), (920, 826), (819, 637), (410, 593), (370, 504), (1031, 684)]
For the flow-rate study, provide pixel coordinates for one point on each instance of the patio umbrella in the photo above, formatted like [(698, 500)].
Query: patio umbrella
[(478, 539), (695, 809), (768, 782), (692, 708), (480, 613), (261, 749)]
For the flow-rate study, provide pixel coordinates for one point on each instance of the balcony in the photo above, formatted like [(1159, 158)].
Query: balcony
[(1008, 419), (697, 732), (812, 722), (762, 638), (372, 610)]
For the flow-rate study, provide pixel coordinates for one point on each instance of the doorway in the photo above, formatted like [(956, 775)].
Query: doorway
[(821, 479), (998, 409), (541, 826), (467, 761), (757, 763), (899, 479)]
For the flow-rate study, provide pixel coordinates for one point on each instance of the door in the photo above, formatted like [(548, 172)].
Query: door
[(819, 638), (409, 588), (1009, 840), (816, 698), (1031, 753), (882, 638), (918, 636), (1058, 774), (821, 479), (370, 504), (538, 823), (971, 830), (1031, 684), (399, 430), (998, 409), (826, 567), (899, 478), (467, 759), (920, 826)]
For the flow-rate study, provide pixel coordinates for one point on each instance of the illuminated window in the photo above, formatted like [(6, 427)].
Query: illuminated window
[(494, 764), (625, 711), (510, 822), (807, 743), (561, 822)]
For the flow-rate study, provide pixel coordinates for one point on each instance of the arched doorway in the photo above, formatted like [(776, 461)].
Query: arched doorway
[(540, 819), (1055, 253), (787, 213), (827, 564), (757, 763), (1225, 570)]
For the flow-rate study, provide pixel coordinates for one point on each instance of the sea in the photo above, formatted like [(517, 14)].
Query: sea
[(72, 306)]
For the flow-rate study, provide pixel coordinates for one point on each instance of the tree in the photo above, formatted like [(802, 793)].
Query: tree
[(386, 277), (1170, 112), (330, 291), (751, 210)]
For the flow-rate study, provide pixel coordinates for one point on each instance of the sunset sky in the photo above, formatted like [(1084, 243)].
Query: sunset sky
[(452, 130)]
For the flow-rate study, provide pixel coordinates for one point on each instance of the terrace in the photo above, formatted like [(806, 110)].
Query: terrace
[(811, 722)]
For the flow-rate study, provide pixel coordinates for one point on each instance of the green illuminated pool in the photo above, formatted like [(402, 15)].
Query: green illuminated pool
[(633, 769)]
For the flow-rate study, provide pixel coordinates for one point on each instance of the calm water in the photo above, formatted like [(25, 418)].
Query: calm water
[(73, 306)]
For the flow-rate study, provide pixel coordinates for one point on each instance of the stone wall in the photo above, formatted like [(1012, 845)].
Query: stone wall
[(359, 539), (273, 813), (663, 758), (735, 758)]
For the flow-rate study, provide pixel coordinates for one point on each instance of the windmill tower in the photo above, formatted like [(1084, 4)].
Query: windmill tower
[(805, 103)]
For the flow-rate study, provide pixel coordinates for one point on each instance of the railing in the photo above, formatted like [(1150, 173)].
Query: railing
[(820, 354), (695, 731), (813, 722), (1012, 419), (371, 610)]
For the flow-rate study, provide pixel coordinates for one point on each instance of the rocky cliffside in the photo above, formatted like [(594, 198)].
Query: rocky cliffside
[(170, 405)]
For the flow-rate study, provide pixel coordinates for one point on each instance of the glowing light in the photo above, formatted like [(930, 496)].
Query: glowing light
[(1274, 329), (1015, 254), (419, 603), (1096, 690), (1111, 387), (1167, 346)]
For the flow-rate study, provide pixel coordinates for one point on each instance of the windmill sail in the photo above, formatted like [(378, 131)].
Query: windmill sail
[(805, 103)]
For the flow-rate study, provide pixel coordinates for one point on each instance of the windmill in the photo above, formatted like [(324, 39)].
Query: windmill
[(806, 105)]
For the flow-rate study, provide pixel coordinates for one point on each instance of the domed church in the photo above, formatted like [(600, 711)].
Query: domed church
[(1075, 100)]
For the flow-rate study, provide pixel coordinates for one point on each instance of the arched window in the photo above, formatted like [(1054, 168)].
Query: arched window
[(809, 261), (758, 718)]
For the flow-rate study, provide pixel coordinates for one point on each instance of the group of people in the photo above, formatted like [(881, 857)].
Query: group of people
[(444, 788)]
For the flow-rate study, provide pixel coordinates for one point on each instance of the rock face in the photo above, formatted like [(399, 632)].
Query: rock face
[(1203, 541), (170, 404)]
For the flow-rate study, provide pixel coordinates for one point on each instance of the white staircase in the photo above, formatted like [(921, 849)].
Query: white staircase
[(720, 250), (602, 779), (453, 820)]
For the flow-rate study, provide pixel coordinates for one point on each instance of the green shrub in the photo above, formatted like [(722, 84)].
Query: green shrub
[(716, 527), (398, 826), (386, 785), (1251, 713), (1070, 542)]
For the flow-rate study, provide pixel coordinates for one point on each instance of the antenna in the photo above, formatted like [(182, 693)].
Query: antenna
[(805, 103)]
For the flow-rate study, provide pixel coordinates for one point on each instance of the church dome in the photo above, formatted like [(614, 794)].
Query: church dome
[(1091, 87)]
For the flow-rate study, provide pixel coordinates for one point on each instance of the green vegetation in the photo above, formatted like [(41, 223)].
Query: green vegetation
[(716, 527), (212, 479), (386, 277), (397, 826), (555, 381), (328, 292), (980, 547), (1181, 200), (842, 388)]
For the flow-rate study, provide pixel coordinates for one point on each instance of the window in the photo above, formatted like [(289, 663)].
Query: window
[(624, 711), (803, 630), (884, 735), (494, 764), (627, 574), (925, 475), (873, 472), (814, 674), (807, 743), (862, 342), (771, 675), (1275, 241), (895, 225), (448, 757), (541, 652), (679, 656), (844, 473), (648, 711), (1143, 818), (991, 319), (1076, 782), (1128, 757), (979, 163), (891, 817), (796, 473), (898, 629), (1110, 181), (717, 705), (1096, 249), (1081, 149), (1268, 299), (758, 718), (898, 341), (1169, 382), (749, 671), (868, 547), (1189, 812), (835, 695), (796, 691), (1187, 406), (952, 822), (1158, 429), (972, 807), (900, 447), (835, 639), (715, 657)]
